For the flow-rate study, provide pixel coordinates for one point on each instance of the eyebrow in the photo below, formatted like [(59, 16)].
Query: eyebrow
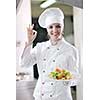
[(56, 25)]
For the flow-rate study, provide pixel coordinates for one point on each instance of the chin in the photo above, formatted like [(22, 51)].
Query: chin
[(55, 39)]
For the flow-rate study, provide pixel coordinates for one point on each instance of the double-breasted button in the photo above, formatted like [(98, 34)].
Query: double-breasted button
[(51, 83), (53, 60), (57, 48), (50, 95), (43, 71), (44, 59), (42, 94), (48, 47), (66, 83), (43, 83)]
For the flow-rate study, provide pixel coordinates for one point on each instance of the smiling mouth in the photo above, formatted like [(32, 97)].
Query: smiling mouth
[(55, 34)]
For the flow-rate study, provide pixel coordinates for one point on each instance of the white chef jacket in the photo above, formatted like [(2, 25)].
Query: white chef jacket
[(48, 57)]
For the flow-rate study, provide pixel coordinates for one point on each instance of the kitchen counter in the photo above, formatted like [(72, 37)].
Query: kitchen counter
[(25, 89)]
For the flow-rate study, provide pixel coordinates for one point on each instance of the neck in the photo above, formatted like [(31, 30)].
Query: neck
[(55, 42)]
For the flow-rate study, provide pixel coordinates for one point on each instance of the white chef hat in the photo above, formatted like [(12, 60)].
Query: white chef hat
[(50, 16)]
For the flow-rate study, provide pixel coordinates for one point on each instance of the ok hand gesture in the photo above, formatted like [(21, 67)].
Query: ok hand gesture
[(31, 33)]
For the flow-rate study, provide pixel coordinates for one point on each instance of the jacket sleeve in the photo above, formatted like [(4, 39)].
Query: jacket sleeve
[(29, 56), (73, 66)]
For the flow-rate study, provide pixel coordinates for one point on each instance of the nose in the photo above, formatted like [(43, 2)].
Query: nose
[(55, 30)]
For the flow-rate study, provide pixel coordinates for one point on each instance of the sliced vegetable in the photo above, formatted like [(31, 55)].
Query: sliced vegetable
[(59, 73)]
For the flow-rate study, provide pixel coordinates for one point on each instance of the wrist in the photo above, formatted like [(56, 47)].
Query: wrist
[(28, 44)]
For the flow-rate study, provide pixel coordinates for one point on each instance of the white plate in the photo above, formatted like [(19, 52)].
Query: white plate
[(74, 78)]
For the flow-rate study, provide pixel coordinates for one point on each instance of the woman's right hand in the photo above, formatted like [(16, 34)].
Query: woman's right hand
[(31, 33)]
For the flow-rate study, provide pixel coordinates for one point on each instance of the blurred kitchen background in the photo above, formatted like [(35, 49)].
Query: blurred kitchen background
[(27, 12)]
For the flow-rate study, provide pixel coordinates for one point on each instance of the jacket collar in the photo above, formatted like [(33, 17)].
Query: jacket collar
[(49, 44)]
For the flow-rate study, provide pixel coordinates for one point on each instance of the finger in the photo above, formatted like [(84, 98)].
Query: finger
[(28, 28), (34, 32), (32, 26)]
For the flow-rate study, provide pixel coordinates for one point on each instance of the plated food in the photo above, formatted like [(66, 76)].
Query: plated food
[(61, 74)]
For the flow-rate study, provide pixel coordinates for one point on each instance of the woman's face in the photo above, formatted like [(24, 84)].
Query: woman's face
[(55, 31)]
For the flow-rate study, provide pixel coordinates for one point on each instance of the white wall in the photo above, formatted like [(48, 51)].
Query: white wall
[(78, 33), (23, 19)]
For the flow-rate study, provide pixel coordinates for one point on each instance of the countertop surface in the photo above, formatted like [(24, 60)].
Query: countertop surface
[(26, 84)]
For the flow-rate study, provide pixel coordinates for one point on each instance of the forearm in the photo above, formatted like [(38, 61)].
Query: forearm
[(26, 50), (27, 59)]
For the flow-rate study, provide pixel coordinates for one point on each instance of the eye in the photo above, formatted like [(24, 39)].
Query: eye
[(58, 26), (50, 27)]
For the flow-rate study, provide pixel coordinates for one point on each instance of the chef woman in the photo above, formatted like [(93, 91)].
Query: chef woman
[(56, 52)]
